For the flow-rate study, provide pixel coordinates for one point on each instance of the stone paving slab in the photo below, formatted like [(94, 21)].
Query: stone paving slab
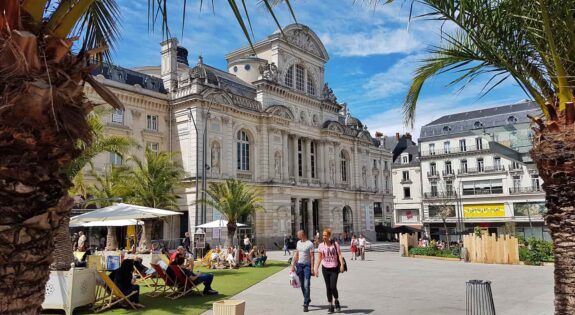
[(389, 284)]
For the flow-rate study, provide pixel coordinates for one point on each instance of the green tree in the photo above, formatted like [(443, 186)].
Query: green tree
[(152, 183), (533, 43), (42, 118), (234, 200)]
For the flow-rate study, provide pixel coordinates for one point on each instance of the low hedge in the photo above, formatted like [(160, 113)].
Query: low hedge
[(536, 251), (433, 251)]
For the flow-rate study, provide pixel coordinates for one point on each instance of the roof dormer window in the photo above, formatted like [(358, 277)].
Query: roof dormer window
[(511, 120), (298, 77), (446, 129), (478, 124)]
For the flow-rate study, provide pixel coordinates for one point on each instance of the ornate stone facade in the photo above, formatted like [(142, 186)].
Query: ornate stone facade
[(270, 122)]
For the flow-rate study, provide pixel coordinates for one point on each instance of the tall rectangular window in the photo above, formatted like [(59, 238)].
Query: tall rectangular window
[(535, 183), (448, 168), (289, 77), (463, 166), (516, 183), (243, 151), (462, 146), (299, 76), (433, 169), (497, 163), (115, 159), (449, 187), (152, 122), (118, 116), (405, 175), (154, 147), (434, 189), (406, 193), (446, 148), (479, 143), (432, 149), (480, 165)]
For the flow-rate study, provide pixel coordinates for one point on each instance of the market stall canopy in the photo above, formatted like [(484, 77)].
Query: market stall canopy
[(221, 223), (122, 211), (107, 223)]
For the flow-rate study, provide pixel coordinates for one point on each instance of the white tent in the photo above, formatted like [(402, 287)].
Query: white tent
[(221, 223), (122, 211), (107, 223)]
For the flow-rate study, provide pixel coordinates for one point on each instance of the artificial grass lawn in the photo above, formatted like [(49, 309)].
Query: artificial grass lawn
[(228, 282)]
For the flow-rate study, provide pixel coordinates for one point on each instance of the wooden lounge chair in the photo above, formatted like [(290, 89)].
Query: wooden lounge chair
[(169, 285), (185, 285), (143, 278), (112, 295), (206, 261)]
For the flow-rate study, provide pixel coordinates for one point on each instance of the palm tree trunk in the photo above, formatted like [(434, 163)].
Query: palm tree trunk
[(63, 249), (554, 153), (41, 121), (231, 232), (111, 239), (146, 238)]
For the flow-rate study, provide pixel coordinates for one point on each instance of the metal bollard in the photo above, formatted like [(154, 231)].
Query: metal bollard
[(479, 298)]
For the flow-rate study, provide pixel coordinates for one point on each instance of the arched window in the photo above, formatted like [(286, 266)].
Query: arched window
[(299, 78), (243, 151), (289, 77), (343, 166)]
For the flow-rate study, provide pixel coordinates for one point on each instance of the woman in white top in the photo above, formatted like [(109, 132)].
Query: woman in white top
[(362, 242)]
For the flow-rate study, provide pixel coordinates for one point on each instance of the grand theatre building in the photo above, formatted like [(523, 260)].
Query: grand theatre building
[(269, 120)]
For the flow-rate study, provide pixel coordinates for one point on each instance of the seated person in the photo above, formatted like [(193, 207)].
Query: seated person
[(253, 254), (124, 280), (143, 269), (158, 261), (229, 257), (261, 258), (143, 249), (205, 278)]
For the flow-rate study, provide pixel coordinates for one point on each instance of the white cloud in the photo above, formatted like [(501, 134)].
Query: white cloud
[(380, 41)]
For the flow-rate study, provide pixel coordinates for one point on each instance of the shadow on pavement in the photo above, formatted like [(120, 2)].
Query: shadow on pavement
[(343, 311)]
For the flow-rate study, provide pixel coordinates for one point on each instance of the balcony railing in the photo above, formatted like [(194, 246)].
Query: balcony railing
[(448, 173), (454, 150), (433, 174), (480, 170), (439, 195), (483, 191), (406, 181), (524, 190)]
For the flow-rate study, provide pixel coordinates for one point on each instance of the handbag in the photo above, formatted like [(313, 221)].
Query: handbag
[(343, 258)]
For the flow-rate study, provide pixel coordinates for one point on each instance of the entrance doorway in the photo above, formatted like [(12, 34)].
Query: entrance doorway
[(347, 221)]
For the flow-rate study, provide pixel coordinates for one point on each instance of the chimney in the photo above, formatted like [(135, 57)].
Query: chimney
[(183, 56), (408, 135), (378, 135), (397, 136), (169, 64)]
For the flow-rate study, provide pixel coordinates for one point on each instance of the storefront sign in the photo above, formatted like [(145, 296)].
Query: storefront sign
[(484, 210)]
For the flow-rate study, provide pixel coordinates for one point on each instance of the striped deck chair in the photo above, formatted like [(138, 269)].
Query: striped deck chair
[(169, 285), (185, 285), (112, 295), (206, 261)]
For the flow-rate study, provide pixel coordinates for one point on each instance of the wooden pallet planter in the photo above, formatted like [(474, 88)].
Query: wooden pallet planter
[(436, 258), (406, 241), (490, 249)]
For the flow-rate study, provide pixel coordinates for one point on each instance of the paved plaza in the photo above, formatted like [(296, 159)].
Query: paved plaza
[(389, 284)]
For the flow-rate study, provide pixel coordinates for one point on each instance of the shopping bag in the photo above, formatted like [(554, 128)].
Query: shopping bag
[(294, 280)]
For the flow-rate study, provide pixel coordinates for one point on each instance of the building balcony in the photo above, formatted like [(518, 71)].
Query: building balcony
[(243, 175), (467, 150), (406, 181), (483, 191), (448, 174), (433, 175), (525, 190), (439, 195), (481, 170)]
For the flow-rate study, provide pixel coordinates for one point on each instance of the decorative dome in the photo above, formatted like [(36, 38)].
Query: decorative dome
[(354, 122), (202, 73)]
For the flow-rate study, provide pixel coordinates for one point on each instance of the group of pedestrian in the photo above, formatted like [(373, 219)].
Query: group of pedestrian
[(358, 247), (79, 242), (305, 266)]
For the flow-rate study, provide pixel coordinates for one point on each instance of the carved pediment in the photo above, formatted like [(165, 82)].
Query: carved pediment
[(305, 39), (334, 126), (218, 97), (280, 111)]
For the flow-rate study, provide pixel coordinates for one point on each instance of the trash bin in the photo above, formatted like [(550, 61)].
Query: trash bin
[(479, 299), (229, 307)]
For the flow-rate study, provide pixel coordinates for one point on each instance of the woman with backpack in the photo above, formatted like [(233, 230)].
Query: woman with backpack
[(332, 264)]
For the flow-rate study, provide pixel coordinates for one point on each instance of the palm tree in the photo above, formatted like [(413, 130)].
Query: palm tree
[(152, 183), (63, 256), (533, 43), (234, 200), (42, 117)]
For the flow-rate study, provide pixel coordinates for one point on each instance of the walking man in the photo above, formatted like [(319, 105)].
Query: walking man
[(362, 242), (286, 245), (302, 263), (186, 242)]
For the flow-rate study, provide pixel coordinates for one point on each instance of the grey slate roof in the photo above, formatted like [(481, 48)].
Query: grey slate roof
[(232, 83), (405, 144), (130, 77), (464, 122)]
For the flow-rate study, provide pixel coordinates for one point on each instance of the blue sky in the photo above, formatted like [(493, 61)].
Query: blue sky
[(373, 53)]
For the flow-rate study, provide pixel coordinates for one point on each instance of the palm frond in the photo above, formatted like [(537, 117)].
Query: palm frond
[(100, 27)]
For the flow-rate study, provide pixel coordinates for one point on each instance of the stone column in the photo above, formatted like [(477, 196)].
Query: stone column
[(310, 217), (320, 160), (297, 215), (295, 165), (337, 159), (285, 157), (307, 158)]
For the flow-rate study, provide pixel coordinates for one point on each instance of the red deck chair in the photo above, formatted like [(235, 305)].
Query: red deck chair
[(169, 285), (185, 285)]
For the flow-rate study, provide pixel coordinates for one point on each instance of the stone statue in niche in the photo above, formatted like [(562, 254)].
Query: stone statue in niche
[(364, 176), (215, 167), (269, 72), (327, 94), (278, 165), (332, 171)]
